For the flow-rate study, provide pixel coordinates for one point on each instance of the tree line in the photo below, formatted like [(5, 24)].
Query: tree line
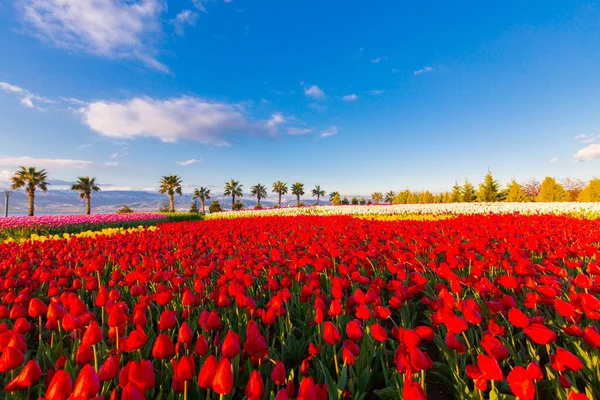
[(548, 190)]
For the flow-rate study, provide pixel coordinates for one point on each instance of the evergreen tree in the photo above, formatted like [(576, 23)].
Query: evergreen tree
[(355, 201), (426, 198), (345, 201), (456, 195), (335, 200), (591, 192), (468, 192), (515, 193), (489, 189), (552, 191)]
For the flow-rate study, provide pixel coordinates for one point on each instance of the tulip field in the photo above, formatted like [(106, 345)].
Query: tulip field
[(484, 306)]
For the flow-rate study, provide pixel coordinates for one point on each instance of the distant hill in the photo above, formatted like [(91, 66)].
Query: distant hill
[(66, 201)]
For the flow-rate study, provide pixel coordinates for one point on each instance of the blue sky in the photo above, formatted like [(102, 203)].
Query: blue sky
[(353, 96)]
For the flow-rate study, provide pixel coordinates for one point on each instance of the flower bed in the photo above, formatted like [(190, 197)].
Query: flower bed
[(310, 308)]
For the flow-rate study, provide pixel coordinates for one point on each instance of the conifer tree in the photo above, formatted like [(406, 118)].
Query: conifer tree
[(489, 189), (515, 193), (591, 192), (468, 192), (551, 191), (456, 195)]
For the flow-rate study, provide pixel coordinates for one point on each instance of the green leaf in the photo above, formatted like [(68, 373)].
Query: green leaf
[(331, 386), (343, 381), (390, 393)]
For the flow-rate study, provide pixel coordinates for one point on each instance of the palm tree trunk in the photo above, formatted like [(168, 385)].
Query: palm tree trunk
[(280, 199), (88, 207), (298, 200), (202, 201), (171, 203), (318, 197), (232, 202), (30, 203)]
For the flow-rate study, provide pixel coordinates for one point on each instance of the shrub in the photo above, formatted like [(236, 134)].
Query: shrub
[(194, 208), (125, 210), (258, 207), (238, 205), (215, 207)]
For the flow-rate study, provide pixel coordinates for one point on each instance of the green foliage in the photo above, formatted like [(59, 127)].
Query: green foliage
[(516, 193), (165, 208), (489, 189), (184, 216), (215, 207), (362, 201), (591, 193), (194, 208), (335, 200), (389, 197), (468, 192), (259, 191), (238, 205), (354, 201), (300, 204), (377, 197), (258, 206), (551, 191), (345, 201), (426, 198), (457, 194), (125, 210), (298, 190), (233, 189)]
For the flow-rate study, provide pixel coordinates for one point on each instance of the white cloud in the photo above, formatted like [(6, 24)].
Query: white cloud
[(350, 97), (329, 132), (107, 28), (26, 101), (586, 138), (44, 162), (377, 92), (7, 87), (187, 162), (199, 4), (395, 70), (72, 100), (111, 164), (315, 92), (588, 153), (554, 160), (184, 18), (26, 97), (378, 60), (298, 131), (170, 120), (317, 107), (422, 71), (84, 146)]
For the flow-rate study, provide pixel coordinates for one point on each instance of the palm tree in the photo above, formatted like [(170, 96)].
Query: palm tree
[(389, 196), (203, 194), (298, 190), (317, 191), (233, 189), (85, 186), (377, 197), (280, 188), (332, 195), (259, 191), (32, 179), (170, 185)]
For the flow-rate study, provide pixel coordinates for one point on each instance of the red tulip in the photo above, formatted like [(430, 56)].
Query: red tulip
[(231, 345), (37, 308), (223, 377), (110, 368), (413, 391), (255, 387), (11, 359), (207, 372), (307, 389), (92, 335), (60, 387), (540, 334), (563, 360), (167, 320), (185, 335), (163, 347), (201, 347), (379, 333), (116, 317), (331, 335), (489, 367), (347, 356), (141, 374), (185, 368), (354, 330), (518, 318), (278, 375), (591, 337), (87, 384), (28, 376), (521, 383)]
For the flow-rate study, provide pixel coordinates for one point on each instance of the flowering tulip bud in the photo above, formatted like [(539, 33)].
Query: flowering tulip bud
[(87, 384), (223, 378), (60, 387), (28, 376), (92, 335), (110, 368), (207, 372), (37, 308), (163, 347), (255, 387), (331, 335), (278, 375), (11, 359), (231, 345)]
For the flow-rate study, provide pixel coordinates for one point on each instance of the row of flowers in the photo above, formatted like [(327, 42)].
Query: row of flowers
[(88, 234), (55, 221), (586, 209), (312, 308)]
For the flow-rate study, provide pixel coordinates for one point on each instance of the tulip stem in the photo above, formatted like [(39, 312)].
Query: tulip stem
[(185, 390), (337, 368), (40, 328), (117, 336), (220, 397), (95, 357)]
